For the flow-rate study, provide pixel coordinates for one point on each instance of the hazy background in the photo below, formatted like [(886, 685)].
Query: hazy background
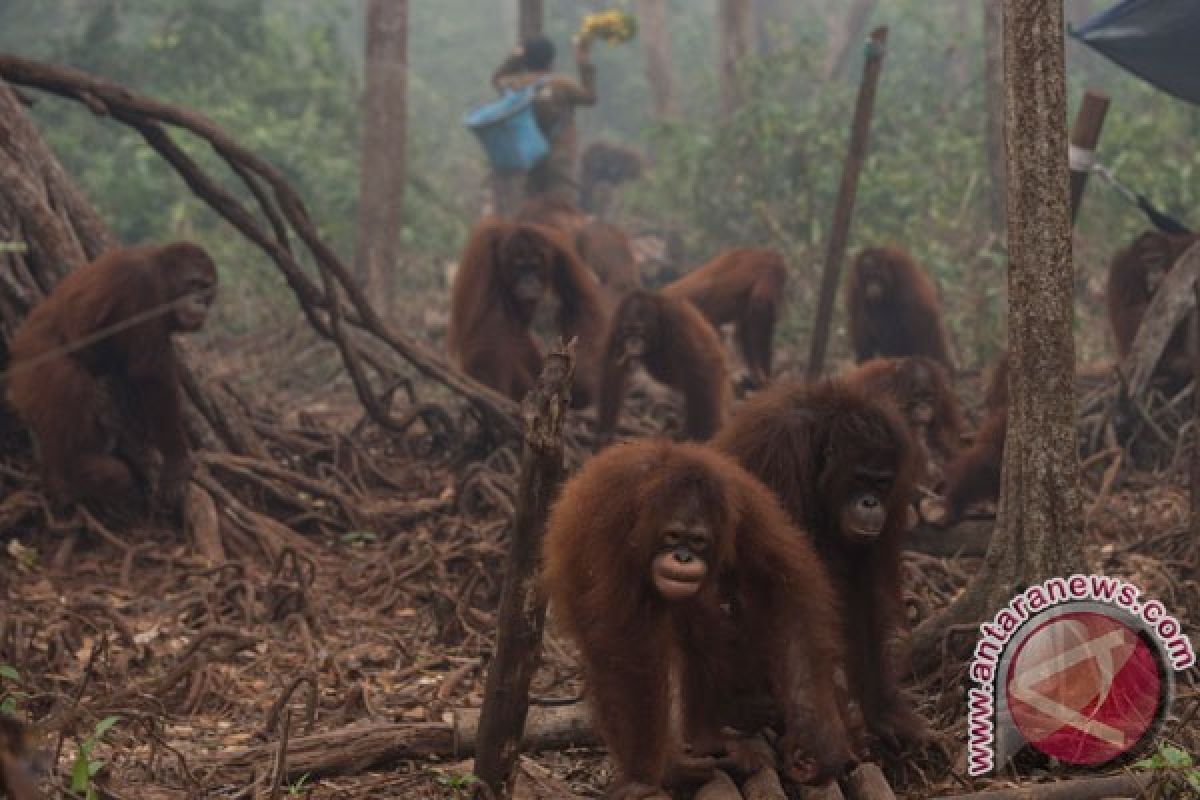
[(284, 77)]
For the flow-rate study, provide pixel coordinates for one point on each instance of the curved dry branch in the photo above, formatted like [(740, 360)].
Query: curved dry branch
[(285, 213), (1167, 310)]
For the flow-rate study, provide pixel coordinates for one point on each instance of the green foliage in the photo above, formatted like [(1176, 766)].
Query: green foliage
[(357, 538), (459, 785), (1174, 759), (10, 697), (298, 787), (284, 77), (85, 767)]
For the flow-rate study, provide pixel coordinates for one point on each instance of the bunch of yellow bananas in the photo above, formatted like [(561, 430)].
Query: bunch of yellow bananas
[(614, 27)]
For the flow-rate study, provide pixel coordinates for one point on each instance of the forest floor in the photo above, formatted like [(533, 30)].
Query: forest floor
[(390, 626)]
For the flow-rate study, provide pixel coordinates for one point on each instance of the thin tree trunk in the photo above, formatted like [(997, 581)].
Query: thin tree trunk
[(773, 25), (381, 188), (993, 86), (530, 19), (734, 35), (656, 47), (846, 37), (1039, 524), (957, 53)]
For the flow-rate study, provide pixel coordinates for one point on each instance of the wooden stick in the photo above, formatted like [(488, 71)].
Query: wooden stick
[(344, 751), (1085, 134), (843, 213), (522, 613)]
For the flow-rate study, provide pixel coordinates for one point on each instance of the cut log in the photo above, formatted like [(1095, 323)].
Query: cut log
[(721, 787), (867, 783), (764, 785)]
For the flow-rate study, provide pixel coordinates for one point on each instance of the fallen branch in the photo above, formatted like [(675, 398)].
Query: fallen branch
[(1172, 302), (355, 748), (1128, 785)]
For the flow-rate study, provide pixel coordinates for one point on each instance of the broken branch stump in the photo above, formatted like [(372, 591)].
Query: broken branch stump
[(522, 613)]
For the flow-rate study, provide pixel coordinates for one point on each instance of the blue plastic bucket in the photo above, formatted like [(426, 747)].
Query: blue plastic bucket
[(509, 132)]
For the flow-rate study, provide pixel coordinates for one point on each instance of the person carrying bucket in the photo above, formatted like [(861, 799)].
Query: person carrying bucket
[(555, 100)]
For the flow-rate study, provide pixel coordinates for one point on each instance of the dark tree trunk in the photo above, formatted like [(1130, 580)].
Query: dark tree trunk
[(993, 87), (530, 19), (381, 187), (734, 41), (656, 48), (773, 21), (846, 37), (1039, 525)]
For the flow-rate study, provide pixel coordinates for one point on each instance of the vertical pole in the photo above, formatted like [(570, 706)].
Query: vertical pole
[(530, 19), (1085, 134), (843, 213), (522, 612)]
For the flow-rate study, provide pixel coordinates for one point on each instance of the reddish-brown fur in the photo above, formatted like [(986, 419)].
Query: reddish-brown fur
[(489, 335), (893, 308), (974, 475), (608, 251), (914, 381), (818, 446), (743, 286), (552, 211), (95, 409), (1133, 277), (763, 622), (679, 349)]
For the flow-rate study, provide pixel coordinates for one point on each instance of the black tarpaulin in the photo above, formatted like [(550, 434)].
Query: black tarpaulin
[(1157, 40)]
